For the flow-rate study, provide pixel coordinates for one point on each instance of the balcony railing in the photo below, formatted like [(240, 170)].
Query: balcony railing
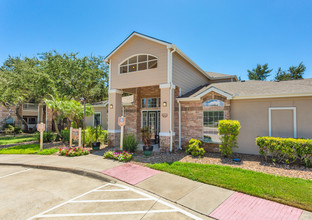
[(30, 107)]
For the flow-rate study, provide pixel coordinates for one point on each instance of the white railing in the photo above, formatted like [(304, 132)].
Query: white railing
[(30, 107)]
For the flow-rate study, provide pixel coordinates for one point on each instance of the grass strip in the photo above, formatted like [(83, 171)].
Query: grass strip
[(290, 191)]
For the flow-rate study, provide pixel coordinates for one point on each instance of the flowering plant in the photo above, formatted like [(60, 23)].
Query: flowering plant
[(120, 156), (73, 152)]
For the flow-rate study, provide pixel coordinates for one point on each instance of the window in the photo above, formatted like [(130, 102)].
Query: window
[(211, 118), (143, 103), (97, 119), (210, 129), (138, 63), (150, 102), (213, 103)]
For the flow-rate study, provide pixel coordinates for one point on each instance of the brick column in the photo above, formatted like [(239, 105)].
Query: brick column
[(114, 111), (49, 119), (164, 135)]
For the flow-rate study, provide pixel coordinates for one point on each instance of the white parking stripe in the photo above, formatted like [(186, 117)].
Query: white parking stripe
[(59, 205), (123, 188), (112, 200), (11, 174), (112, 190), (105, 213)]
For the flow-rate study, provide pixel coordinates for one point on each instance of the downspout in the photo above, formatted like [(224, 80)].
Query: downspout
[(171, 87), (180, 147)]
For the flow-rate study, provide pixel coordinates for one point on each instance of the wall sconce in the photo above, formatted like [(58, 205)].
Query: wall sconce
[(165, 104), (111, 106)]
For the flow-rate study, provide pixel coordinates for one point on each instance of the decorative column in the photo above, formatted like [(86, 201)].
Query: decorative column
[(114, 111), (166, 122)]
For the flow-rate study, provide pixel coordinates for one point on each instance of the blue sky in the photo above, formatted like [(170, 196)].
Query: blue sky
[(220, 36)]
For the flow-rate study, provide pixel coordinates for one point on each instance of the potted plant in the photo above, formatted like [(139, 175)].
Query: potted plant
[(96, 132), (146, 138)]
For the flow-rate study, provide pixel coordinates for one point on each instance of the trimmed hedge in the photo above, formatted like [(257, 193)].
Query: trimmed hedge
[(286, 150), (229, 130)]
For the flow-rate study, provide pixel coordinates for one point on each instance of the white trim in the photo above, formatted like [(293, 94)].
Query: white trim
[(109, 75), (166, 85), (166, 134), (115, 91), (273, 96), (214, 89), (113, 131), (132, 35), (137, 63), (100, 118), (187, 99), (283, 108)]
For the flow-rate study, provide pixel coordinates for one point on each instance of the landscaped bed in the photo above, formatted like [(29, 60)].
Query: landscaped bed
[(17, 139), (291, 191), (249, 162), (28, 149)]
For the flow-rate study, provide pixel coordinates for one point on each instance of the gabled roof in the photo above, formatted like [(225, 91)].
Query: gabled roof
[(221, 75), (255, 89), (134, 33), (209, 75)]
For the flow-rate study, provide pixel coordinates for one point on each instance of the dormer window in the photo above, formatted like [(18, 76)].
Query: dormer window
[(138, 63)]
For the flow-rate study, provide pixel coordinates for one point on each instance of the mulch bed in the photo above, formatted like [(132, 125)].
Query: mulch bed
[(249, 162)]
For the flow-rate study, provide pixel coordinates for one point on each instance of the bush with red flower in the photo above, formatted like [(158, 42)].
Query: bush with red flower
[(118, 155), (73, 151)]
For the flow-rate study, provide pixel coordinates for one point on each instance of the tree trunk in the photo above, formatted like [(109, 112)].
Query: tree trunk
[(18, 107), (54, 119)]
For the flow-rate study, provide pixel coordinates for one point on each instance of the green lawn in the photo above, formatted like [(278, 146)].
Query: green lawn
[(28, 149), (290, 191), (17, 139)]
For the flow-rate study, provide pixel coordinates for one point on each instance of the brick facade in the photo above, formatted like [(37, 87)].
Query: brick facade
[(133, 112), (192, 119)]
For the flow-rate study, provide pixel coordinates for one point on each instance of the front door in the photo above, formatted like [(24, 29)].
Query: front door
[(152, 120)]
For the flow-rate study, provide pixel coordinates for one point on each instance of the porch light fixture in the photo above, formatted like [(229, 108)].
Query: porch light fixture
[(111, 106), (165, 104)]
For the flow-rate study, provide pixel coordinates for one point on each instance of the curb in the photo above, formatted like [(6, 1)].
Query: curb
[(77, 171)]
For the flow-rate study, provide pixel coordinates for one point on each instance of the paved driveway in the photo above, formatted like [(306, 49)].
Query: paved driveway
[(40, 194)]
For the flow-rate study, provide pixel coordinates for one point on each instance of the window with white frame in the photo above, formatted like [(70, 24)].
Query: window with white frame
[(138, 63), (210, 125), (97, 119), (150, 102)]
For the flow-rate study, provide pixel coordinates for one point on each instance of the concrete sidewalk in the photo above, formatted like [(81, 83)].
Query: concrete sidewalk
[(213, 202)]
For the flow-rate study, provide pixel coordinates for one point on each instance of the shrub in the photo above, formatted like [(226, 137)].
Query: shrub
[(120, 156), (48, 136), (65, 135), (73, 152), (286, 150), (130, 143), (229, 130), (194, 148)]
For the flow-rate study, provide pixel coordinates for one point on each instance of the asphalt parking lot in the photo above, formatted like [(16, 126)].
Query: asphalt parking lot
[(44, 194)]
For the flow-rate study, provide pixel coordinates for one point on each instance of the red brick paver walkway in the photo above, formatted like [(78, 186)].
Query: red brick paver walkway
[(242, 206), (131, 173)]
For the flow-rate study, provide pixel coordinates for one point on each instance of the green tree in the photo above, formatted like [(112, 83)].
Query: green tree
[(293, 72), (259, 73), (21, 80), (71, 109), (74, 77)]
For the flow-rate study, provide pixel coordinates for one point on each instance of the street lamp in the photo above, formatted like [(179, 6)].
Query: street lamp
[(84, 119)]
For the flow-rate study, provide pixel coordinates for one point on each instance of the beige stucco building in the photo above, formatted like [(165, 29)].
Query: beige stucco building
[(178, 100)]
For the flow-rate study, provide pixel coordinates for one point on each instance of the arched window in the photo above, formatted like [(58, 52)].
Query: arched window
[(213, 103), (138, 63)]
